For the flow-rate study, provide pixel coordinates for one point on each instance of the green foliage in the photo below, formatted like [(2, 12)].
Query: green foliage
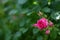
[(18, 16)]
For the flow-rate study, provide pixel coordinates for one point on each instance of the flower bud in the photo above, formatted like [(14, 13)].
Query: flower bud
[(50, 24), (47, 32)]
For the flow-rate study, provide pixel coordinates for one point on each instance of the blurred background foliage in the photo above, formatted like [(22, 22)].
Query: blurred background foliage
[(18, 16)]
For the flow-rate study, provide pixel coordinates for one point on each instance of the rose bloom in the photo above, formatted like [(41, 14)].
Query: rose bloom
[(47, 32), (50, 24), (41, 23)]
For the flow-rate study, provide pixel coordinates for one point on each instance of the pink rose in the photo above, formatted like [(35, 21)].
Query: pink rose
[(47, 32), (50, 24), (41, 23)]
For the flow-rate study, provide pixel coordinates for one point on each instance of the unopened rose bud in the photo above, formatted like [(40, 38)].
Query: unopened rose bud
[(47, 32), (50, 24), (40, 13)]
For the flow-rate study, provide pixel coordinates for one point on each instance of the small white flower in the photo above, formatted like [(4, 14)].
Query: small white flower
[(58, 17)]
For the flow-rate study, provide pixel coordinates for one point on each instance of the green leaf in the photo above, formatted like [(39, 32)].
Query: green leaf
[(22, 22), (53, 34), (17, 35), (39, 38), (23, 30), (35, 31), (55, 5), (13, 12), (46, 10), (25, 11), (22, 1), (1, 32), (8, 35)]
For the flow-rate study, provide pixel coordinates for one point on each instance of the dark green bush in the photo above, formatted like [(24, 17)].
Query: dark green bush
[(18, 16)]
